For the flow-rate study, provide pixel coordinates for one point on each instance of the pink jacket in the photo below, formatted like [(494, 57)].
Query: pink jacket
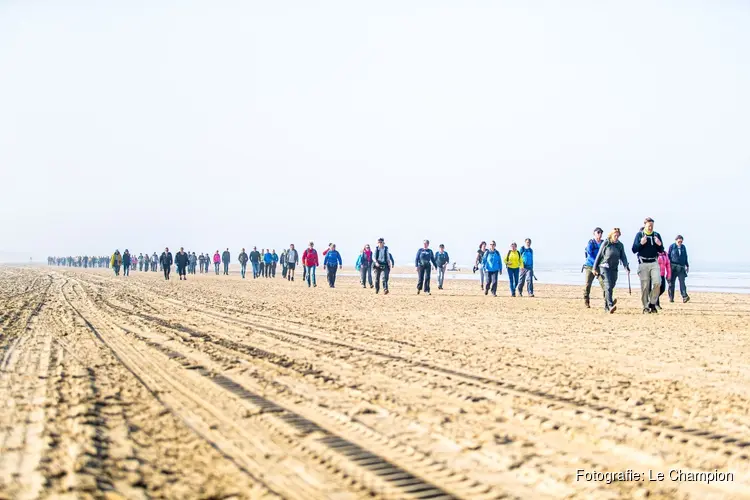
[(664, 266), (217, 258)]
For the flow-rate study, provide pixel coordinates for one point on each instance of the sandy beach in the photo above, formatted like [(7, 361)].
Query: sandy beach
[(219, 387)]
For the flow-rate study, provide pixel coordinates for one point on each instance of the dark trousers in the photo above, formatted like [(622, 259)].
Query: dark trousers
[(273, 270), (267, 271), (365, 273), (283, 271), (661, 290), (331, 273), (490, 282), (609, 279), (117, 270), (424, 278), (385, 271), (167, 270), (216, 268), (181, 271), (678, 272)]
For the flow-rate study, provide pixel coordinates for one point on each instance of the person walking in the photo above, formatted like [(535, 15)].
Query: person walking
[(193, 262), (165, 261), (513, 265), (226, 259), (331, 263), (140, 263), (181, 260), (267, 263), (274, 262), (493, 266), (442, 259), (424, 261), (292, 259), (382, 261), (262, 262), (606, 264), (208, 261), (243, 258), (479, 263), (592, 250), (365, 266), (126, 263), (201, 262), (647, 246), (154, 262), (255, 262), (310, 261), (665, 271), (527, 269), (680, 267), (116, 262), (217, 261), (282, 259)]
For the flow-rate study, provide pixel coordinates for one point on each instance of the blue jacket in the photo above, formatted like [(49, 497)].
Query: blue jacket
[(442, 258), (492, 261), (527, 257), (333, 258), (267, 258), (678, 257), (425, 257), (592, 250), (275, 257)]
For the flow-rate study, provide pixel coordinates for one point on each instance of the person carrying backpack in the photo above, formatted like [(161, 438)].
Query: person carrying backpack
[(479, 263), (492, 262), (274, 262), (217, 261), (607, 261), (310, 261), (382, 261), (647, 245), (331, 263), (424, 262), (267, 262), (680, 267), (665, 270), (592, 250), (441, 260), (226, 259), (513, 265), (116, 262), (166, 262), (181, 260), (527, 269), (364, 266), (292, 259), (126, 263)]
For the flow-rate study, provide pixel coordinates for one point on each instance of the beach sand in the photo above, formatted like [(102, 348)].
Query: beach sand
[(221, 387)]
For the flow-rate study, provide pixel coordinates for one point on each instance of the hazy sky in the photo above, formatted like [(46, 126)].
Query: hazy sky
[(229, 124)]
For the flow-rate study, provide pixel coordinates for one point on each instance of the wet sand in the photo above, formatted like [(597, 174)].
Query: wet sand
[(219, 387)]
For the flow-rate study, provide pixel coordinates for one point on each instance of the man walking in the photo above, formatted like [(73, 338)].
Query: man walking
[(646, 246), (678, 258), (126, 263), (282, 260), (382, 261), (592, 250), (424, 261), (166, 262), (493, 266), (255, 262), (527, 271), (292, 259), (310, 261), (274, 262), (441, 260), (262, 262), (243, 258), (201, 262), (140, 262), (154, 262), (192, 262), (181, 260), (226, 259), (331, 263), (267, 263)]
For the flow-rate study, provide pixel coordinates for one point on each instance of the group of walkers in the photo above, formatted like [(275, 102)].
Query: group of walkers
[(657, 269), (518, 262)]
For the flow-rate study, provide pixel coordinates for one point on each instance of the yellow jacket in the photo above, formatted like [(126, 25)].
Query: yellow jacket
[(117, 258), (513, 259)]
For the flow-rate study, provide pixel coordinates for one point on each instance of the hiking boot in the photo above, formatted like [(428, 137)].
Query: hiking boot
[(612, 309), (440, 288), (486, 292), (377, 291), (419, 291), (385, 292), (427, 293), (531, 295), (587, 302), (647, 310), (614, 302), (653, 309), (520, 293), (686, 299), (494, 295), (370, 286)]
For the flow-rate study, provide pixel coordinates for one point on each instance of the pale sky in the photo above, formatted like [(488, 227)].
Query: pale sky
[(227, 124)]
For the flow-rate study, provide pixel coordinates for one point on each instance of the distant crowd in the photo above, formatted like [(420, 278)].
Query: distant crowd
[(658, 269)]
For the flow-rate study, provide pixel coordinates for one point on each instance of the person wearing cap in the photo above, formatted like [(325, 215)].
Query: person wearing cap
[(165, 261), (424, 261), (680, 267), (441, 260), (647, 245), (592, 250), (606, 263), (382, 261), (311, 262), (493, 266)]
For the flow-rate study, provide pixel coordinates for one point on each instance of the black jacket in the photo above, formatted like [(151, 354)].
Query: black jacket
[(181, 259), (126, 259), (650, 250), (166, 259), (225, 257)]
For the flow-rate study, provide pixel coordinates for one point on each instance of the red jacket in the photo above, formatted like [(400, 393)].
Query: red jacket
[(310, 257)]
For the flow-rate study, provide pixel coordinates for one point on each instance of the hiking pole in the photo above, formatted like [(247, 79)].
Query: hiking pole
[(630, 292)]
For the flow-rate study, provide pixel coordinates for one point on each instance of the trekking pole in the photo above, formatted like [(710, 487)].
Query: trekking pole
[(630, 292)]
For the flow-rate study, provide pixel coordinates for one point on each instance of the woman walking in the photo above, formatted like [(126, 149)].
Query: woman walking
[(217, 261), (607, 261), (665, 270), (479, 263)]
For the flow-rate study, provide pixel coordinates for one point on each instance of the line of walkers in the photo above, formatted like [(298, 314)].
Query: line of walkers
[(657, 269), (518, 262)]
